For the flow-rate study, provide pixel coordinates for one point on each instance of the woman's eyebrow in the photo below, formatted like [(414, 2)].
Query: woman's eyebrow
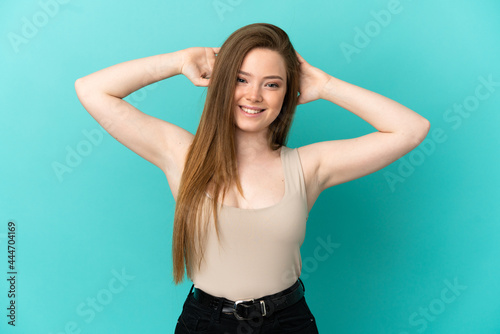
[(266, 77)]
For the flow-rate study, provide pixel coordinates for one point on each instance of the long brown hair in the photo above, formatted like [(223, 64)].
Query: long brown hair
[(211, 158)]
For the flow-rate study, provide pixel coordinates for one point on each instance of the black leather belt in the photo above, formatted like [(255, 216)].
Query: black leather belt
[(254, 308)]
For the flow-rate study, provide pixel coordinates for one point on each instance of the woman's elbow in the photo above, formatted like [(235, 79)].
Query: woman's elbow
[(420, 131), (78, 86), (81, 88), (426, 126)]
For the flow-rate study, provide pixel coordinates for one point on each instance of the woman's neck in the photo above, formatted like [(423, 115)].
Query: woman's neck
[(251, 146)]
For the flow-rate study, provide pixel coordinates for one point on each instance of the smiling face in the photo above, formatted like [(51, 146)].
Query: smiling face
[(260, 90)]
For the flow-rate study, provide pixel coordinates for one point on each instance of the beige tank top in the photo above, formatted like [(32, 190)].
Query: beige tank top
[(259, 249)]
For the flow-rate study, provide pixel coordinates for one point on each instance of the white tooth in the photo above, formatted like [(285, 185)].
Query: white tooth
[(251, 111)]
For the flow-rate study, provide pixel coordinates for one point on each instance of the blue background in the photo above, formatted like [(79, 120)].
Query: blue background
[(402, 235)]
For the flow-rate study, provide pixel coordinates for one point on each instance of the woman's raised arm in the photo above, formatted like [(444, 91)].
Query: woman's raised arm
[(333, 162), (160, 142)]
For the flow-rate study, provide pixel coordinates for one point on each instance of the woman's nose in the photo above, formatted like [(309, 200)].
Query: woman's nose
[(254, 94)]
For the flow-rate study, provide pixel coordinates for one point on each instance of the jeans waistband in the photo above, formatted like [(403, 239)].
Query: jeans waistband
[(247, 309)]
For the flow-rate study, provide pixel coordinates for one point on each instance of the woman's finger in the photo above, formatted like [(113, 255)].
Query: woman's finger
[(201, 82), (299, 57), (211, 57)]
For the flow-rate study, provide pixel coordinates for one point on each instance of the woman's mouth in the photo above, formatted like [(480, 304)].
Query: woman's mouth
[(251, 111)]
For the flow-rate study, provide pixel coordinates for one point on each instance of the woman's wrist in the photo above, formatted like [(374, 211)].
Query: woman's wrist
[(170, 65), (328, 87)]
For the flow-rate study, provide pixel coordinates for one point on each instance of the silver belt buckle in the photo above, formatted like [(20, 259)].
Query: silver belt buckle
[(262, 307)]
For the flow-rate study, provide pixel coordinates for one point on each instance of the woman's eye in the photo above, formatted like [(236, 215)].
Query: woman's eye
[(273, 85), (240, 80)]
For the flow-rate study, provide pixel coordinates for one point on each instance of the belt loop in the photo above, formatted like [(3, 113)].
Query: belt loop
[(303, 287), (218, 311)]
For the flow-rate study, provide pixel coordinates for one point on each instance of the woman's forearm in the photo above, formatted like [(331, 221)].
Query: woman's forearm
[(382, 113), (123, 79)]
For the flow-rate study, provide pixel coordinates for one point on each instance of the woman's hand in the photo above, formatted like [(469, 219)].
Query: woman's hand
[(197, 64), (312, 82)]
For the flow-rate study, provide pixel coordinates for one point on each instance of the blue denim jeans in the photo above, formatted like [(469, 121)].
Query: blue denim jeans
[(197, 318)]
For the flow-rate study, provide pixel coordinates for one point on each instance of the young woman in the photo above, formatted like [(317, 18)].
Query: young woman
[(242, 251)]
